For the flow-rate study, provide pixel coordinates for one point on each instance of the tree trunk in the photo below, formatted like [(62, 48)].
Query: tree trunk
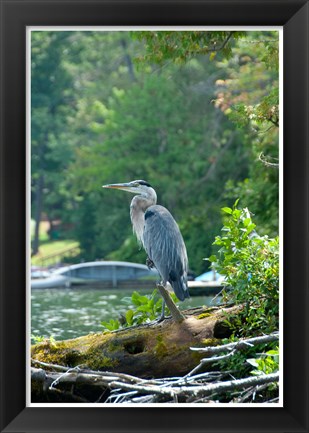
[(147, 351), (38, 213), (128, 60)]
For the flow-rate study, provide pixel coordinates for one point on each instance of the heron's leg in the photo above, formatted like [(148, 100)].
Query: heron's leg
[(176, 314), (162, 317)]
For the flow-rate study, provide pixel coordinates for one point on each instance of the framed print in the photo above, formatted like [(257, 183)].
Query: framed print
[(208, 102)]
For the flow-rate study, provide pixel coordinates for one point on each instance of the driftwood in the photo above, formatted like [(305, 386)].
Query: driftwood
[(111, 366)]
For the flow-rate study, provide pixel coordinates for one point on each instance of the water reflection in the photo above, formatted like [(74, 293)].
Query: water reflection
[(70, 313)]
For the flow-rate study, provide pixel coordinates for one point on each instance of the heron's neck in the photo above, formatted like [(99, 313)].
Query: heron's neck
[(139, 205)]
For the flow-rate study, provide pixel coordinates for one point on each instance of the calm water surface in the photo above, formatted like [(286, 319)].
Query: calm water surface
[(70, 313)]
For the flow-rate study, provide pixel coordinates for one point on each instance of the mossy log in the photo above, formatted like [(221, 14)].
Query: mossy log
[(147, 351)]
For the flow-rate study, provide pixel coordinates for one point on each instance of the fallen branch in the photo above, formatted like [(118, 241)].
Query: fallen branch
[(238, 345), (130, 388), (233, 347), (49, 366), (93, 370), (251, 392), (198, 391)]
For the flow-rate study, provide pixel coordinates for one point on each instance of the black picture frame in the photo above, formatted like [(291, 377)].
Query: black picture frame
[(16, 15)]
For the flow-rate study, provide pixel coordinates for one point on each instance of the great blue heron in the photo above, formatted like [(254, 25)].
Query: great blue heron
[(158, 232)]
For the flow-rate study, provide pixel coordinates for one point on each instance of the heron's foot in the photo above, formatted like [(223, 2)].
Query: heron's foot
[(162, 316), (149, 263), (154, 322), (160, 319)]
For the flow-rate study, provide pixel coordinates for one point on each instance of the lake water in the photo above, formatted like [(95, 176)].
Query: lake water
[(69, 313)]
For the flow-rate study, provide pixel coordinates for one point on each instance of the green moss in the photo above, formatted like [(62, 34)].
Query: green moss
[(211, 341), (160, 348), (95, 356), (114, 346), (207, 313), (196, 356), (203, 316), (98, 361), (74, 352), (59, 353), (57, 346)]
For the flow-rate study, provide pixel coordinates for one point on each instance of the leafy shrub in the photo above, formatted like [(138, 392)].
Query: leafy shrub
[(267, 363), (250, 265), (147, 308)]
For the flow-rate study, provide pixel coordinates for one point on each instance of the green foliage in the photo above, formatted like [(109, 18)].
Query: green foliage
[(112, 325), (136, 140), (145, 308), (261, 194), (37, 338), (97, 119), (51, 104), (129, 251), (261, 356), (180, 46), (250, 265), (255, 111), (267, 363), (265, 111)]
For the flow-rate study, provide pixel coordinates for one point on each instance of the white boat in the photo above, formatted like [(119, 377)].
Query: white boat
[(104, 273)]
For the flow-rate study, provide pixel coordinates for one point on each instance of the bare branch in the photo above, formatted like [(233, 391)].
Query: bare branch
[(238, 345), (214, 48), (199, 390), (111, 387), (49, 366), (224, 43), (232, 347), (267, 163)]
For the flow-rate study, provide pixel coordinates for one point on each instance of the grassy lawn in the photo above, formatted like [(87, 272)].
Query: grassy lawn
[(48, 248), (44, 226)]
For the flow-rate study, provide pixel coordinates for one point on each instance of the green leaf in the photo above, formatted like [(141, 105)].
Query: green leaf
[(144, 308), (227, 210), (112, 325), (272, 352), (247, 221), (129, 317), (253, 362), (236, 203), (212, 258)]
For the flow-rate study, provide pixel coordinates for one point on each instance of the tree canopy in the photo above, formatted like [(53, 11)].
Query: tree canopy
[(194, 113)]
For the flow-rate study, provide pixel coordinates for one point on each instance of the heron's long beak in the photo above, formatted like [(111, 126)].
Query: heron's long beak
[(123, 186)]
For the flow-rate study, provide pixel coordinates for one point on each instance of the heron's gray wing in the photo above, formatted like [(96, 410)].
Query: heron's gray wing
[(164, 244)]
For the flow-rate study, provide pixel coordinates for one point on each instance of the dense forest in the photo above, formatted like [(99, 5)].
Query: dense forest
[(193, 113)]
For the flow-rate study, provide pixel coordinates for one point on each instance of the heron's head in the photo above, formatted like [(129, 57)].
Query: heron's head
[(136, 187)]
